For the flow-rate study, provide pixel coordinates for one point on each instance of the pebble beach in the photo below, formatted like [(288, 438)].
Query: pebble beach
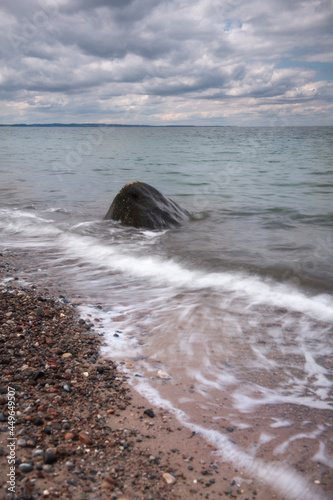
[(79, 430)]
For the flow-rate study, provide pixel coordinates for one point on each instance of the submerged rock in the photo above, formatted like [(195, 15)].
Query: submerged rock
[(140, 205)]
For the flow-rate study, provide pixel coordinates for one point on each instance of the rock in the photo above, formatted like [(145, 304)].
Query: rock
[(169, 478), (107, 486), (69, 436), (84, 438), (150, 413), (38, 453), (163, 375), (140, 205), (25, 467), (50, 457), (37, 421), (22, 443), (48, 468), (67, 355)]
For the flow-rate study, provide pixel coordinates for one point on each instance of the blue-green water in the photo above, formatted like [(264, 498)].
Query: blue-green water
[(242, 291)]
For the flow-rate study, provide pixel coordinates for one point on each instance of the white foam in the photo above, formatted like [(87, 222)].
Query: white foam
[(284, 480), (245, 403), (323, 456), (310, 435), (254, 289)]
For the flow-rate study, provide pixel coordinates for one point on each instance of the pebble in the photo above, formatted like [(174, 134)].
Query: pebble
[(37, 453), (169, 478), (21, 442), (149, 412), (48, 468), (25, 467), (69, 464), (163, 375), (84, 438), (50, 457), (67, 355), (69, 436)]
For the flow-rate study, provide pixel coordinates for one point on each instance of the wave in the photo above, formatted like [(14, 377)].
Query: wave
[(125, 257)]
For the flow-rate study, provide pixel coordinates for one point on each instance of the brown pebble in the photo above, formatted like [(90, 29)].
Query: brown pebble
[(69, 436), (84, 438), (107, 486), (169, 478)]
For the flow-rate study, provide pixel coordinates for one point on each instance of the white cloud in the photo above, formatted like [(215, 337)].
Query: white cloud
[(166, 61)]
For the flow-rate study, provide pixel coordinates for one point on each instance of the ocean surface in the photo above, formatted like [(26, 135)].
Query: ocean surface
[(226, 320)]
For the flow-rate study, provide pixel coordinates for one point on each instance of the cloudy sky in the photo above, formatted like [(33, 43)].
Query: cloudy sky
[(200, 62)]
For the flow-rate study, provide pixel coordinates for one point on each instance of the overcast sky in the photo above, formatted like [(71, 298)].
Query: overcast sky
[(200, 62)]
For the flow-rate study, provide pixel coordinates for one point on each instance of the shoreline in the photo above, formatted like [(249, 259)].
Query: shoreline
[(79, 427)]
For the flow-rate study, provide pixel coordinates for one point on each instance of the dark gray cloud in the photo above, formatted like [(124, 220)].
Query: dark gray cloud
[(166, 61)]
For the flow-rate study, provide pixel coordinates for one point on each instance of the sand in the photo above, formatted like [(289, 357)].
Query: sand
[(80, 430)]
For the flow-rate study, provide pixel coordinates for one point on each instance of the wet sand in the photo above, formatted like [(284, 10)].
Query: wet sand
[(84, 433)]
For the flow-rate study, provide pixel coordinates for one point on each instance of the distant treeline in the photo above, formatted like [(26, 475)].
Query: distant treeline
[(85, 125)]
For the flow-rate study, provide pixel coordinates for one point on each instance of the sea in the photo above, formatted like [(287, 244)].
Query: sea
[(225, 321)]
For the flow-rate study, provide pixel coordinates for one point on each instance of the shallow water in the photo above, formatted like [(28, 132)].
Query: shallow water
[(235, 307)]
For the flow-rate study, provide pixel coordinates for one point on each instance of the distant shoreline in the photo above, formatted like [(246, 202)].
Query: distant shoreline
[(108, 125), (102, 125)]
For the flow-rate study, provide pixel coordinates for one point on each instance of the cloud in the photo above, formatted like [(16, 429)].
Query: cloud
[(166, 61)]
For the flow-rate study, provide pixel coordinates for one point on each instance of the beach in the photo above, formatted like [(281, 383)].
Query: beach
[(221, 327), (80, 431)]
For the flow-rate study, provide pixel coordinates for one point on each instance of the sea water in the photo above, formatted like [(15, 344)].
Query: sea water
[(227, 320)]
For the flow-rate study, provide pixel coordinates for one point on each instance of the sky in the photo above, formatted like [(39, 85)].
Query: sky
[(167, 62)]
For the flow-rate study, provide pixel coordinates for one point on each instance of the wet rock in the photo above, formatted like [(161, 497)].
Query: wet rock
[(140, 205)]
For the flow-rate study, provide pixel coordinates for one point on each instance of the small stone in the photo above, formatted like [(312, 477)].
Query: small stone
[(169, 478), (67, 355), (46, 493), (25, 467), (37, 453), (50, 457), (163, 375), (72, 482), (107, 486), (22, 443), (85, 374), (38, 421), (316, 481), (69, 464), (69, 436), (2, 417), (48, 468), (84, 438), (150, 413), (67, 387)]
